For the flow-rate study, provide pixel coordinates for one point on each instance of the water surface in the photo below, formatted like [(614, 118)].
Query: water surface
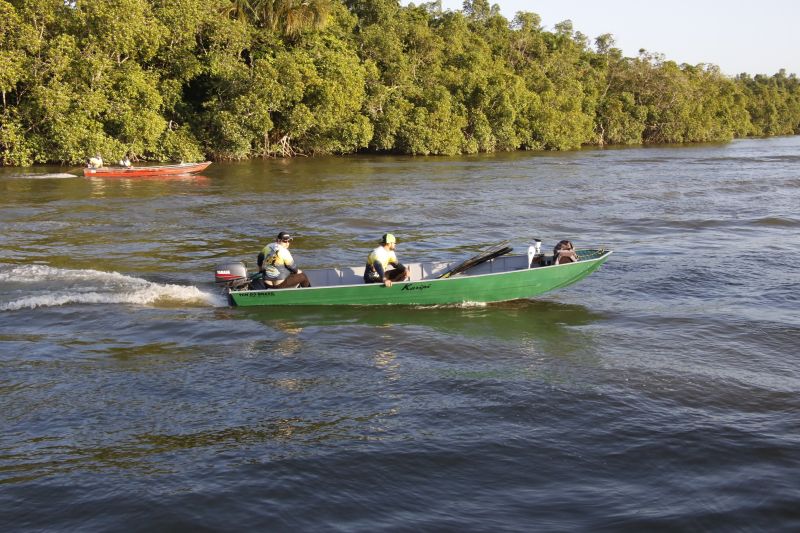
[(659, 393)]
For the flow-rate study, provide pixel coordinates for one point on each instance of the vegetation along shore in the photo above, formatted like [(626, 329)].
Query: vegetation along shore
[(169, 80)]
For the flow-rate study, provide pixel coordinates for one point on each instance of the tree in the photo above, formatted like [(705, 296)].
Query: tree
[(291, 17), (234, 79)]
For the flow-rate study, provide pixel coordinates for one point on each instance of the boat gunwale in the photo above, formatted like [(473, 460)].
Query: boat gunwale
[(152, 169), (603, 255)]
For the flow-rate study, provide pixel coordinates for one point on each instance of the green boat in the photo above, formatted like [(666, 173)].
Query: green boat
[(485, 278)]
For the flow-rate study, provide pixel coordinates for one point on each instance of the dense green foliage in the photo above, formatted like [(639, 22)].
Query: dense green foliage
[(235, 79)]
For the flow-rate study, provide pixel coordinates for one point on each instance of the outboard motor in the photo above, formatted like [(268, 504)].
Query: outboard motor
[(232, 276)]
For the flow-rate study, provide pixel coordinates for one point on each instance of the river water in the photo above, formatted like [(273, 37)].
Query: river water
[(660, 393)]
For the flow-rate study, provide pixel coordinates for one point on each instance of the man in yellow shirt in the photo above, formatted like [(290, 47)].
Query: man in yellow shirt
[(277, 264), (380, 258)]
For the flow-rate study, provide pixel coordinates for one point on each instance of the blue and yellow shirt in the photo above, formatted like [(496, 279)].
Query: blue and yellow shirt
[(279, 257)]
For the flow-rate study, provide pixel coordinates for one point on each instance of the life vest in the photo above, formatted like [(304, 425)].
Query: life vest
[(274, 262)]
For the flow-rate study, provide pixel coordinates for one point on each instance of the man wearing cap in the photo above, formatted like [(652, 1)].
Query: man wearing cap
[(277, 265), (380, 258)]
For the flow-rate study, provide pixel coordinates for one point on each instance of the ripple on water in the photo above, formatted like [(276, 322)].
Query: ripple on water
[(658, 393)]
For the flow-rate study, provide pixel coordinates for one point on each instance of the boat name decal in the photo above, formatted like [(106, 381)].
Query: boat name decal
[(416, 286), (259, 294)]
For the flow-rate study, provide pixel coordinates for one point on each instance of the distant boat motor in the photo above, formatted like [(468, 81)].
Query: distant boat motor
[(535, 253)]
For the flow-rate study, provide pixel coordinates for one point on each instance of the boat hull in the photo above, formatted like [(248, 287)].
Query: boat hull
[(482, 288), (134, 172)]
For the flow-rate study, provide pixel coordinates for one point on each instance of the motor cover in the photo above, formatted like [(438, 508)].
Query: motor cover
[(231, 274)]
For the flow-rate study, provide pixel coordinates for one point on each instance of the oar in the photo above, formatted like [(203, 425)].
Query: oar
[(472, 263), (465, 263), (490, 253), (498, 253), (482, 256)]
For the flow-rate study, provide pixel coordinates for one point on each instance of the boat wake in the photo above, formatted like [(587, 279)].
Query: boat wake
[(50, 176), (32, 286), (459, 305)]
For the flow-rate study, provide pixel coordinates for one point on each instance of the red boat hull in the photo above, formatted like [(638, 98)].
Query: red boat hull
[(133, 172)]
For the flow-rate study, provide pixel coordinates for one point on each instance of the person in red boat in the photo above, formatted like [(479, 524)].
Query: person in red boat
[(95, 162)]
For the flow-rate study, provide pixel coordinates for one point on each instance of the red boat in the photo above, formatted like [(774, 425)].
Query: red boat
[(134, 172)]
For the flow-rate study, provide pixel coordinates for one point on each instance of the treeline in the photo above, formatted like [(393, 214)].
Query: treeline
[(236, 79)]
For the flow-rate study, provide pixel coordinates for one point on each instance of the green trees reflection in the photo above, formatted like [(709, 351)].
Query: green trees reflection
[(236, 79)]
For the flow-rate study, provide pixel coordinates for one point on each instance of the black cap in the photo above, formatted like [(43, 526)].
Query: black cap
[(283, 236)]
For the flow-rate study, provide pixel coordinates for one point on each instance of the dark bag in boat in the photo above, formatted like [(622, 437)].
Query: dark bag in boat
[(257, 282), (564, 252)]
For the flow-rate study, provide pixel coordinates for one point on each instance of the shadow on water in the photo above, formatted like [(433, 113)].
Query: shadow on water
[(520, 319)]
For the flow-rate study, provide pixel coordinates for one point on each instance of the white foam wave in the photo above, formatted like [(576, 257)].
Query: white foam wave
[(473, 304), (98, 287), (37, 273), (460, 305), (53, 175)]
